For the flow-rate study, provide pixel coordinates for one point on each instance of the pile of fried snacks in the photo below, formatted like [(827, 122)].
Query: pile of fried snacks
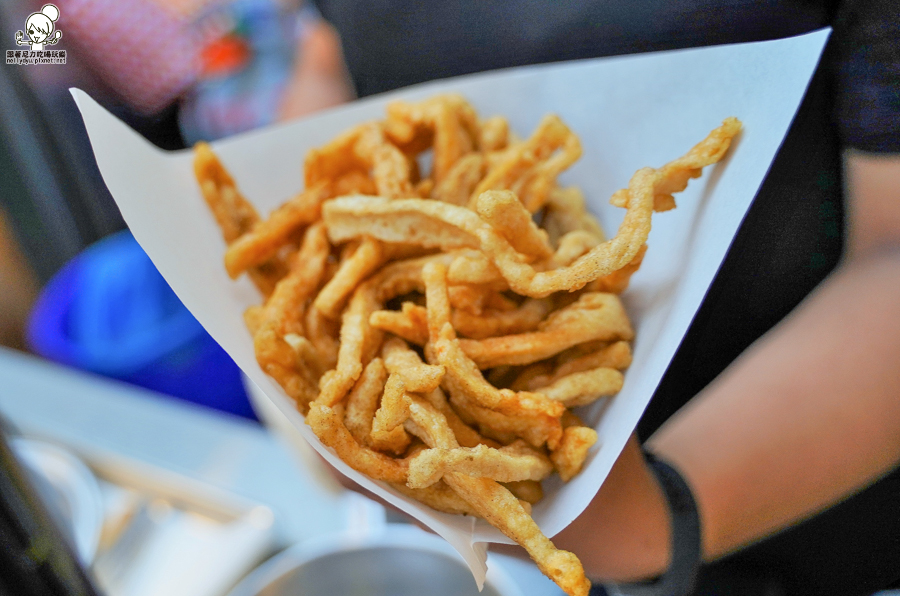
[(436, 327)]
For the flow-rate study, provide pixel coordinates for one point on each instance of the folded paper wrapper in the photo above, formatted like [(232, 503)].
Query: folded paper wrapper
[(629, 112)]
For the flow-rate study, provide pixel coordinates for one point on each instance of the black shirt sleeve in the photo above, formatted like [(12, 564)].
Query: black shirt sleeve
[(867, 74)]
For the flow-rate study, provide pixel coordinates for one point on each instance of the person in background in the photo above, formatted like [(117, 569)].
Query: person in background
[(780, 409), (229, 66), (177, 71)]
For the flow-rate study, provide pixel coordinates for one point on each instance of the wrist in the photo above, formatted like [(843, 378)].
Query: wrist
[(686, 548), (624, 533)]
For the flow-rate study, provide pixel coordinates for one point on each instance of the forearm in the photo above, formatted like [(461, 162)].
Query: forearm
[(623, 534), (807, 416)]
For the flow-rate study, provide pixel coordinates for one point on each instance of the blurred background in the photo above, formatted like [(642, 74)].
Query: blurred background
[(131, 460), (74, 286)]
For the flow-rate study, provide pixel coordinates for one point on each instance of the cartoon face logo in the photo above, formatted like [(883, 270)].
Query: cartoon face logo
[(40, 29)]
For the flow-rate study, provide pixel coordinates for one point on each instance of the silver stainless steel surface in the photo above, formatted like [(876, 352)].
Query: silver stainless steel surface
[(396, 560)]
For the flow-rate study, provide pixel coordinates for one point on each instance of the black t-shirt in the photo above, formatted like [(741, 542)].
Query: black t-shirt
[(792, 236)]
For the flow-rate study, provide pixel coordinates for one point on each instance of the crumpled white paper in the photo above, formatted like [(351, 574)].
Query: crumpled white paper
[(630, 112)]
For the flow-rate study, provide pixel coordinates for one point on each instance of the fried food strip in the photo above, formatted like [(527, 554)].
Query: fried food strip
[(529, 491), (569, 457), (493, 134), (582, 388), (410, 323), (503, 511), (417, 376), (387, 430), (461, 180), (336, 159), (572, 246), (368, 257), (592, 347), (527, 415), (454, 123), (438, 496), (509, 218), (501, 508), (566, 212), (437, 300), (504, 428), (617, 281), (674, 176), (363, 401), (390, 168), (461, 372), (363, 148), (432, 223), (525, 379), (530, 168), (448, 120), (511, 463), (472, 267), (475, 299), (329, 428), (266, 238), (428, 424), (526, 317), (282, 316), (429, 421), (595, 316), (463, 375), (615, 355), (307, 355), (359, 339), (253, 318), (440, 225), (394, 409), (535, 189), (322, 333), (465, 434), (353, 182), (234, 214)]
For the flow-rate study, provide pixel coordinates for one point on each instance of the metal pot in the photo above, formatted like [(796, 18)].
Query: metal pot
[(395, 560)]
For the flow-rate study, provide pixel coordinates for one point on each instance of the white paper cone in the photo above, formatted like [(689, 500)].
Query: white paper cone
[(629, 112)]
